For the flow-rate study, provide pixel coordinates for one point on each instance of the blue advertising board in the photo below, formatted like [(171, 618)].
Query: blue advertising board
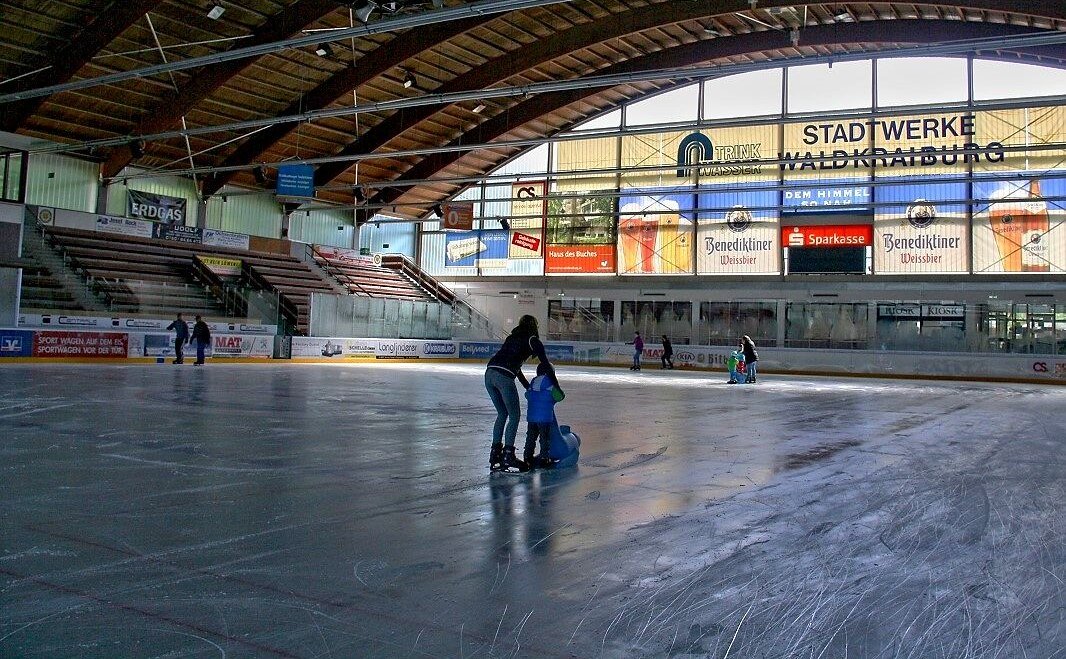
[(16, 343), (478, 350), (296, 181), (485, 248)]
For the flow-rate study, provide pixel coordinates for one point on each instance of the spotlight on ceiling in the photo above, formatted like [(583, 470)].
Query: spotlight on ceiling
[(216, 12), (260, 175), (137, 148), (438, 210), (408, 80), (711, 32), (843, 17), (479, 108), (359, 193), (324, 50), (505, 225), (364, 10)]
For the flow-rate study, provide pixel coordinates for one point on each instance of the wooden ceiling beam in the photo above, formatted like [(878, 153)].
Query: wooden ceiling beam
[(365, 69), (286, 24), (112, 19), (915, 31)]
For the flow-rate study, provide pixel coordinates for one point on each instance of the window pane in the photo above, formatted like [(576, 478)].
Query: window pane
[(743, 95), (608, 120), (920, 80), (1011, 80), (820, 87), (676, 105)]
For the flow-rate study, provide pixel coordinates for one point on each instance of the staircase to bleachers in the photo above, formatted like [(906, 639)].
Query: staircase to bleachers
[(142, 275), (397, 278)]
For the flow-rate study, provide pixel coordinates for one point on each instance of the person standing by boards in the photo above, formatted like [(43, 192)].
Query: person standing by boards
[(750, 357), (668, 353), (201, 334), (638, 350), (181, 337), (505, 366)]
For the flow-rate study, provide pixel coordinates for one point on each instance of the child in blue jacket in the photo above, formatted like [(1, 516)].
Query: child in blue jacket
[(541, 396)]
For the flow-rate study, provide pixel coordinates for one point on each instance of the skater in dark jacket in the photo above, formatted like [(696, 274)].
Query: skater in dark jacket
[(668, 353), (750, 357), (181, 337), (503, 368), (201, 334)]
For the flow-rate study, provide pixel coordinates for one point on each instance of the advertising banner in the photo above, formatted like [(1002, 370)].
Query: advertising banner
[(241, 345), (525, 244), (157, 345), (1022, 127), (738, 233), (811, 183), (655, 232), (221, 266), (217, 238), (585, 218), (579, 259), (342, 255), (468, 350), (48, 343), (584, 156), (1016, 229), (920, 232), (125, 226), (296, 181), (828, 235), (179, 233), (457, 215), (156, 207), (16, 343), (485, 248), (398, 349), (529, 204), (339, 348), (713, 156)]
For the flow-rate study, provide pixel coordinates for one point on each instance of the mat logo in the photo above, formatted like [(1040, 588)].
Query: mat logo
[(438, 348)]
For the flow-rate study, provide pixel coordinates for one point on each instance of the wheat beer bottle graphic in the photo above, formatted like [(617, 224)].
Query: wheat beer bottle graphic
[(1020, 226), (1035, 225)]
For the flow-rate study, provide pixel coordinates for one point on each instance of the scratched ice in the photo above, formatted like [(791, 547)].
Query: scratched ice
[(347, 511)]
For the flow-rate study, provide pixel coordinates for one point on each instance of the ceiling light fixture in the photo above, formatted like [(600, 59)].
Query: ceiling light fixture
[(137, 148), (324, 50), (479, 108), (408, 80), (363, 12), (216, 12), (843, 17)]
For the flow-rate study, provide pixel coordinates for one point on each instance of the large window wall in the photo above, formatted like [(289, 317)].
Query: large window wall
[(897, 154)]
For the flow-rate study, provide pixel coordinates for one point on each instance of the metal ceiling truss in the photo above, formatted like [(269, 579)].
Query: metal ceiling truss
[(625, 74), (686, 55)]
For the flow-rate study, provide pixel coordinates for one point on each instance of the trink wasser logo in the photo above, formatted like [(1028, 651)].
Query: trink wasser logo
[(696, 154)]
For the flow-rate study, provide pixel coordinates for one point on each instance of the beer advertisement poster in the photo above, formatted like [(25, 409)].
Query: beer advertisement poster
[(655, 232), (922, 229), (738, 232), (1018, 226)]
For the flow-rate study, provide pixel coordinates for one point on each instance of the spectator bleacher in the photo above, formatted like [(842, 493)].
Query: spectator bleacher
[(360, 276), (143, 274)]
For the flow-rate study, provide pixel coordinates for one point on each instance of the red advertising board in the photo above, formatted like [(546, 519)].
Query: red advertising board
[(828, 235), (532, 243), (579, 259), (80, 344)]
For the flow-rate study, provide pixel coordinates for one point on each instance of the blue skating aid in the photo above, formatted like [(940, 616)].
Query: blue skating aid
[(564, 446)]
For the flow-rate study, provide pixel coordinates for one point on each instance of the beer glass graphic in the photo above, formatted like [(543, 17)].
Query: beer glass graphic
[(629, 227), (1020, 225), (649, 237), (675, 250)]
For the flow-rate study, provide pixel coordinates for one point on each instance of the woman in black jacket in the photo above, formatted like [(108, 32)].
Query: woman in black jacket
[(503, 368), (750, 357)]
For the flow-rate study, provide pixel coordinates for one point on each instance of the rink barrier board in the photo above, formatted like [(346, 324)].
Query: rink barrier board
[(18, 345)]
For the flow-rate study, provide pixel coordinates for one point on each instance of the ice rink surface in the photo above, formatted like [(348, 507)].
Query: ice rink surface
[(347, 511)]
